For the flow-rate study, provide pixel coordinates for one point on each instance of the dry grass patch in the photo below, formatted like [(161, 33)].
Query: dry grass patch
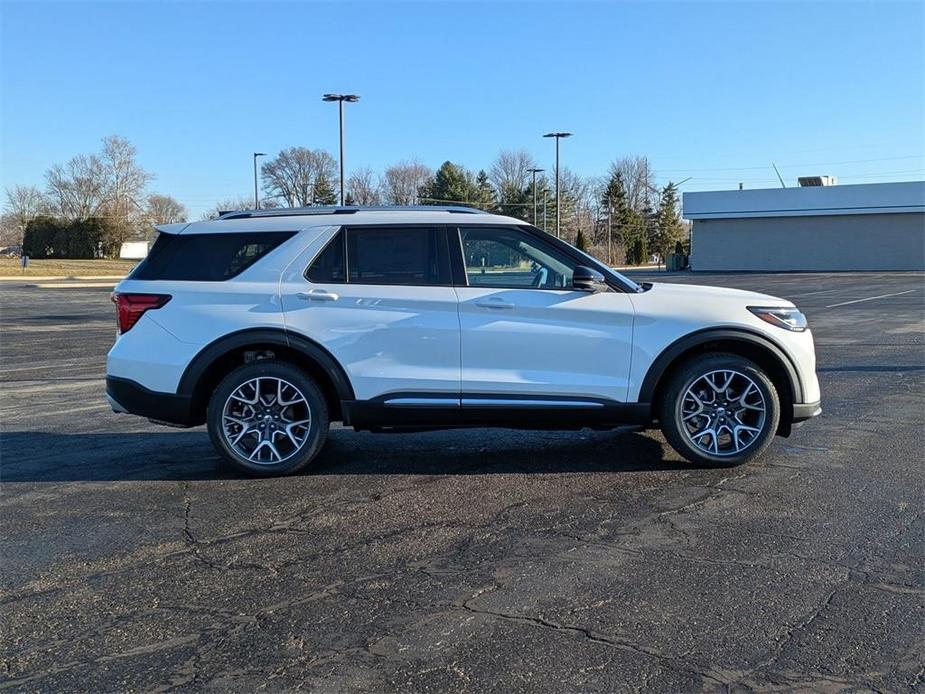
[(10, 267)]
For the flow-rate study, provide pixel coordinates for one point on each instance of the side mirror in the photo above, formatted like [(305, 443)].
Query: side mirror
[(584, 279)]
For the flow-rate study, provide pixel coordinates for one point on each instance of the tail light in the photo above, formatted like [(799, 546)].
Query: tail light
[(130, 307)]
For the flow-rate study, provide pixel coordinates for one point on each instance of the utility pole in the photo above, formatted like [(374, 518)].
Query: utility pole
[(256, 196), (545, 217), (534, 172), (558, 137), (340, 99), (610, 237)]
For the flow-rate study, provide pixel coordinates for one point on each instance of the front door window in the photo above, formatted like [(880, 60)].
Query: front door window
[(509, 258)]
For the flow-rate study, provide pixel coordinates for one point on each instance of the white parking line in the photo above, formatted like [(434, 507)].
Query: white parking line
[(870, 298)]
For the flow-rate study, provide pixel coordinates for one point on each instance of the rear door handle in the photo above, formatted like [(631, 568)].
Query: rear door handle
[(494, 303), (317, 295)]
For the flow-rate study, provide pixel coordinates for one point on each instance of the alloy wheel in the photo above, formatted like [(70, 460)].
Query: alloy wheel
[(723, 412), (266, 420)]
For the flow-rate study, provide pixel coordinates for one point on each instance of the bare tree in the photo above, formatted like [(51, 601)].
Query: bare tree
[(639, 179), (403, 181), (110, 184), (575, 193), (11, 232), (23, 203), (77, 190), (363, 188), (163, 209), (124, 179), (290, 177), (242, 202), (510, 174)]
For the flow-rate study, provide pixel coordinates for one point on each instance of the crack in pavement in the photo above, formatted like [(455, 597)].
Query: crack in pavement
[(607, 640)]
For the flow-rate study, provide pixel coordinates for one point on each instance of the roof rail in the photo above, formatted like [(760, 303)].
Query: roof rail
[(335, 209)]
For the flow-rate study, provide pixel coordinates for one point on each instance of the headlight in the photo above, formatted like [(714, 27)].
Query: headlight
[(787, 318)]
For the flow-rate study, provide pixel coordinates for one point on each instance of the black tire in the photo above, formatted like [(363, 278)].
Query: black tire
[(293, 458), (671, 411)]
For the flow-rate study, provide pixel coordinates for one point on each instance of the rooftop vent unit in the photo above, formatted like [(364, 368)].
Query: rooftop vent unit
[(807, 181)]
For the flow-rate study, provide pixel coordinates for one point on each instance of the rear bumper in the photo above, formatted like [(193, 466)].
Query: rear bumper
[(808, 410), (127, 396)]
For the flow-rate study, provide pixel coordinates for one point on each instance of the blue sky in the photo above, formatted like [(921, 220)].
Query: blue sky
[(716, 91)]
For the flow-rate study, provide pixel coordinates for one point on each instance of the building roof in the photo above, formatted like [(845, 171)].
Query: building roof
[(867, 198)]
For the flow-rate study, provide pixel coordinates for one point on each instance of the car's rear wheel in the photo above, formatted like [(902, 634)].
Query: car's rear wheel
[(720, 410), (268, 418)]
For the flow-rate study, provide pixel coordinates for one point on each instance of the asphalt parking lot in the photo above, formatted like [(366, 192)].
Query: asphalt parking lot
[(474, 560)]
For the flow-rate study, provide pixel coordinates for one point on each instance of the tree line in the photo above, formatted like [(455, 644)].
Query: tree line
[(89, 206), (621, 217)]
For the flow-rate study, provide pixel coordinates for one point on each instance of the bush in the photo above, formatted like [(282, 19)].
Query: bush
[(48, 237)]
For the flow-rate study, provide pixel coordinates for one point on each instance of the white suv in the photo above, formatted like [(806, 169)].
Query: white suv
[(269, 325)]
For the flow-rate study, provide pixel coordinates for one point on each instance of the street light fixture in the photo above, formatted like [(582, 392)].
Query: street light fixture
[(534, 172), (340, 99), (558, 137), (256, 196)]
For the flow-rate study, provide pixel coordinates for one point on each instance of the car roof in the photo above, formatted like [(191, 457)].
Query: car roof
[(305, 218)]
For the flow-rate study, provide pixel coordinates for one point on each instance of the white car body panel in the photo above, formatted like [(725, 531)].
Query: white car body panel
[(547, 342), (668, 312), (388, 339), (150, 355)]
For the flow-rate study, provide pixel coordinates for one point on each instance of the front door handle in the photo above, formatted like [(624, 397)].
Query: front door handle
[(494, 303), (317, 295)]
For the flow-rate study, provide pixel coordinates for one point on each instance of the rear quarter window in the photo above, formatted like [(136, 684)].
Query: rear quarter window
[(206, 257)]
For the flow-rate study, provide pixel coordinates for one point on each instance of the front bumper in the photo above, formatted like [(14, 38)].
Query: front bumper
[(127, 396)]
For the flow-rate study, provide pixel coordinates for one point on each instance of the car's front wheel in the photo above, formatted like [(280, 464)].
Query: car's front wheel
[(268, 418), (719, 409)]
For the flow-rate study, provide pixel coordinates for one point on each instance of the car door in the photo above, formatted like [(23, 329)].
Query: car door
[(526, 334), (380, 300)]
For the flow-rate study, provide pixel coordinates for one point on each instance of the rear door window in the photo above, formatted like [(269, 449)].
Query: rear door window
[(206, 257), (410, 256)]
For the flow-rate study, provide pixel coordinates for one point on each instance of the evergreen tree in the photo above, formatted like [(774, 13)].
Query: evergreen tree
[(451, 185), (628, 225), (485, 193), (517, 203), (581, 243), (668, 221), (323, 192), (640, 250)]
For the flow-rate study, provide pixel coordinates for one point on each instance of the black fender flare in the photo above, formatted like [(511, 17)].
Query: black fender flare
[(664, 360), (264, 336)]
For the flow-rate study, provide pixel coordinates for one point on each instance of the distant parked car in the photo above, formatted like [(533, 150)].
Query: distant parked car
[(269, 325)]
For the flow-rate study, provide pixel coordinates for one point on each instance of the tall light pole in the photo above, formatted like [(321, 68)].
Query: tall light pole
[(534, 172), (256, 196), (340, 99), (545, 218), (558, 137)]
